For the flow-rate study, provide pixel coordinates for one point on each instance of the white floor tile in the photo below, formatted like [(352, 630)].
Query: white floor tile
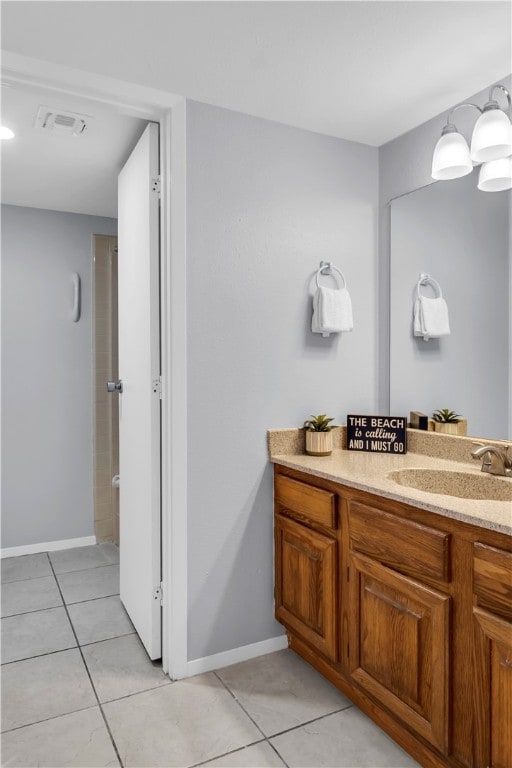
[(30, 595), (281, 691), (33, 634), (82, 558), (179, 725), (100, 619), (79, 586), (78, 740), (121, 666), (25, 567), (44, 687), (346, 739)]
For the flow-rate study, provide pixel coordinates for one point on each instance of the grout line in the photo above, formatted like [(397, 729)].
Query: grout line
[(54, 573), (39, 655), (224, 754), (107, 726), (308, 722), (239, 704), (70, 647), (77, 602), (36, 610), (272, 746), (47, 719), (144, 690), (90, 568), (106, 639), (60, 605)]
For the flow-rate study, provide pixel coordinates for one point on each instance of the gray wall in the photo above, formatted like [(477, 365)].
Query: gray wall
[(265, 204), (404, 165), (47, 487), (460, 236)]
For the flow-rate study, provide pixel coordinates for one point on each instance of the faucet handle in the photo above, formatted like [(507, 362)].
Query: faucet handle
[(475, 453)]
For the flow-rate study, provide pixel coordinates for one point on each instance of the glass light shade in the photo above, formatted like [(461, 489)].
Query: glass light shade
[(6, 133), (496, 175), (491, 136), (451, 158)]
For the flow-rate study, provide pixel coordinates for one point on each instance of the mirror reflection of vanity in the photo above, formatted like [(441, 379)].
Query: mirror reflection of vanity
[(461, 237)]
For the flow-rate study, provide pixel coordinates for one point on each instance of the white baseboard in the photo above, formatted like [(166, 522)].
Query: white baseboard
[(47, 546), (226, 658)]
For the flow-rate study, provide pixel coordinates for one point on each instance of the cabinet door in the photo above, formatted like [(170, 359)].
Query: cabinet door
[(305, 588), (399, 632), (493, 699)]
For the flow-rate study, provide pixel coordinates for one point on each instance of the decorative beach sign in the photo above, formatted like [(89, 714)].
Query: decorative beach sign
[(377, 434)]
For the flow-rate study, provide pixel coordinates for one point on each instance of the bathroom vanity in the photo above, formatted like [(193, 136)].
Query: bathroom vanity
[(402, 598)]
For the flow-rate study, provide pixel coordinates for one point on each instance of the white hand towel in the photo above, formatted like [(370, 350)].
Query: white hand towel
[(332, 311), (431, 317)]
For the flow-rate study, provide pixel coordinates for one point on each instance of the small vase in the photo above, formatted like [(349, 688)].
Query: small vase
[(447, 427), (318, 443)]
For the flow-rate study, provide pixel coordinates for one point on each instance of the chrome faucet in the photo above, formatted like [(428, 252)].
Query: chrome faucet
[(497, 460)]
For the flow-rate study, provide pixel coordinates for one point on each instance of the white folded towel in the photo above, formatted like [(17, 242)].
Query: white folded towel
[(332, 311), (431, 317)]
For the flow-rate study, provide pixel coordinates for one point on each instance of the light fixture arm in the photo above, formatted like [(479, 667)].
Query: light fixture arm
[(450, 127), (494, 102)]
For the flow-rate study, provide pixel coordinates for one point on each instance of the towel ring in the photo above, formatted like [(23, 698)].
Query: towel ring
[(323, 267), (427, 280)]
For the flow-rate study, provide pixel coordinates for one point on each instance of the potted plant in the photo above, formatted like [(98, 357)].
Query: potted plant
[(448, 422), (318, 435)]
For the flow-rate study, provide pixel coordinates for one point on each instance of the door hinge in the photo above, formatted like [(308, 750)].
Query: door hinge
[(157, 387), (158, 593), (156, 184)]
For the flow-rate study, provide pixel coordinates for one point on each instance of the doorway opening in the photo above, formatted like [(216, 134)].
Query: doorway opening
[(53, 84), (105, 407)]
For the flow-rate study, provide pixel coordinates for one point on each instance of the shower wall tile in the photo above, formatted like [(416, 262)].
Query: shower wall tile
[(106, 461)]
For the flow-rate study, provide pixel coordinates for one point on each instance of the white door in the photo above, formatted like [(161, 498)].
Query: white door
[(139, 401)]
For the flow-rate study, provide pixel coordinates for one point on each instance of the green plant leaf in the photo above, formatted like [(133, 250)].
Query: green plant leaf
[(320, 423), (446, 416)]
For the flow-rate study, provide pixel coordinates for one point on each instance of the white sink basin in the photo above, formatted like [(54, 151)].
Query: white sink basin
[(465, 485)]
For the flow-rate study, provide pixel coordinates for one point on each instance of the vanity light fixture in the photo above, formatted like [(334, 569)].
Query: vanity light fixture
[(6, 133), (491, 134), (491, 145)]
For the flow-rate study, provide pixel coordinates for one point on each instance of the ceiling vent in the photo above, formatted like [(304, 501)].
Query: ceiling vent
[(62, 122)]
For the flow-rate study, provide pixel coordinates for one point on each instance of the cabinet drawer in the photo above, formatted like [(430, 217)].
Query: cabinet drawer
[(492, 578), (408, 547), (305, 500)]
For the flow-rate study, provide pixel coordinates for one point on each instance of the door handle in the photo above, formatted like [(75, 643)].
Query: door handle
[(115, 386)]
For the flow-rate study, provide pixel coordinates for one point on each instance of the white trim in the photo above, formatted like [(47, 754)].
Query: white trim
[(47, 546), (140, 100), (170, 110), (174, 390), (235, 655)]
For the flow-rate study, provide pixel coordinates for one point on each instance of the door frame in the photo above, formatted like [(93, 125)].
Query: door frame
[(169, 110)]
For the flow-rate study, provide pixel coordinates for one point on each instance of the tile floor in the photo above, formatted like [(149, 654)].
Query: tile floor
[(79, 690)]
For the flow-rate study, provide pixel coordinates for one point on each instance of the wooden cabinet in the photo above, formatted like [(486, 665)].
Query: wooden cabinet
[(409, 613), (306, 556), (399, 632), (492, 586), (399, 626), (306, 567)]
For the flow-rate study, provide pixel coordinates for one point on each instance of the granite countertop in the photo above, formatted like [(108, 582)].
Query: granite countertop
[(368, 472)]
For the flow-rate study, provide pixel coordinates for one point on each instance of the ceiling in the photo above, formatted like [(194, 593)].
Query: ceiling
[(59, 171), (366, 70)]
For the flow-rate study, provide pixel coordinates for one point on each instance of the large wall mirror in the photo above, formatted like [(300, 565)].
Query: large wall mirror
[(461, 237)]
